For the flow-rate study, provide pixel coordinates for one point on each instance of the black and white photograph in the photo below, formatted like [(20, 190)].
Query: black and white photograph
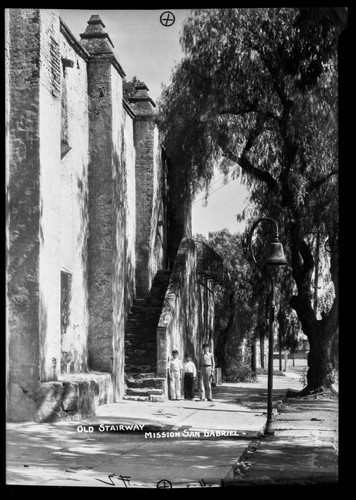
[(172, 246)]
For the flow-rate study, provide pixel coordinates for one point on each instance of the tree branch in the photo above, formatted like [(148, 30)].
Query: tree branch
[(300, 251), (280, 93), (316, 184), (238, 111), (255, 132), (308, 260), (246, 165), (249, 109)]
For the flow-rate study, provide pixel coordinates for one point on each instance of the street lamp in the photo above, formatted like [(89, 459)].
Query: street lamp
[(275, 257)]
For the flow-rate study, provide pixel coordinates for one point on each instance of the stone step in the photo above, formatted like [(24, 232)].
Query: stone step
[(136, 398), (141, 328), (138, 302), (142, 336), (134, 369), (155, 382), (152, 398), (146, 307), (143, 331), (139, 323), (138, 363), (144, 339), (148, 342), (149, 333), (141, 375), (144, 313), (131, 357), (145, 320), (131, 335), (142, 322), (139, 351), (157, 398), (144, 391), (144, 327), (138, 368), (144, 317), (157, 296), (133, 345)]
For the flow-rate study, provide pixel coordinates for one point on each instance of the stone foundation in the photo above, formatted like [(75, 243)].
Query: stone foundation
[(75, 397)]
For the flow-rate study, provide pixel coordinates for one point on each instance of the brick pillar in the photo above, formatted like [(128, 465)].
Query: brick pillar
[(33, 99), (144, 134), (106, 232)]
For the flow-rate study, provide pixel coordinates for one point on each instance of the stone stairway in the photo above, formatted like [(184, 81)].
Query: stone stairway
[(141, 382), (145, 387)]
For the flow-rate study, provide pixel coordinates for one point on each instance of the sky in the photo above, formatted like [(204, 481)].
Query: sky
[(150, 51)]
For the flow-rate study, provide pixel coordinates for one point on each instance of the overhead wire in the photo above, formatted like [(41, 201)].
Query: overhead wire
[(200, 199)]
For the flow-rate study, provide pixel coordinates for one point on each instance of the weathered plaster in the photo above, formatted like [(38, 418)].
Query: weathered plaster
[(87, 191), (183, 321)]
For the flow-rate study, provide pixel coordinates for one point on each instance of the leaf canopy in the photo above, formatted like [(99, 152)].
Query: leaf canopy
[(258, 88)]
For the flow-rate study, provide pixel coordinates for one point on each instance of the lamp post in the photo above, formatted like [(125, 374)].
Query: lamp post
[(275, 257)]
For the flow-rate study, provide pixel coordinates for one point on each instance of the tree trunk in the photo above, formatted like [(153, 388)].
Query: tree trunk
[(222, 340), (321, 335), (219, 352), (281, 318), (262, 350), (253, 356), (316, 273), (320, 373)]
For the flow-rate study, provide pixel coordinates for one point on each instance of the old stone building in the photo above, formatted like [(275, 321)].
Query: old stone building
[(103, 278)]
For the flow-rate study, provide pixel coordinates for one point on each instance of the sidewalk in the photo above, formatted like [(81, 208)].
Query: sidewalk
[(181, 444), (303, 451)]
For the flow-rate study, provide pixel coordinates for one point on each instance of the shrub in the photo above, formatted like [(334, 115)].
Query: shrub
[(238, 371)]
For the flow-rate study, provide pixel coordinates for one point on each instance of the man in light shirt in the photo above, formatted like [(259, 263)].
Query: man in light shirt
[(206, 370), (189, 374), (175, 370)]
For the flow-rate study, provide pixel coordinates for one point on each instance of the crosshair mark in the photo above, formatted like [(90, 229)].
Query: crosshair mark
[(164, 484), (167, 18)]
